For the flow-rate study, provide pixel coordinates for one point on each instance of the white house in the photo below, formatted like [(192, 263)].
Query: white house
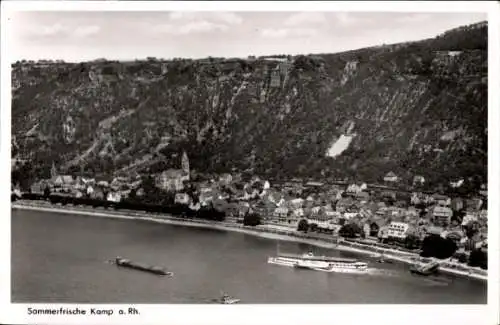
[(418, 180), (90, 190), (391, 178), (397, 230), (442, 215), (114, 197), (281, 213), (456, 184), (355, 188), (182, 198)]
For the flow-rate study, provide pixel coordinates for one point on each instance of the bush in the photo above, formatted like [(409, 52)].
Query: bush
[(478, 258), (251, 219), (303, 225)]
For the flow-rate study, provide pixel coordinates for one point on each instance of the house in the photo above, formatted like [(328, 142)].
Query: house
[(90, 190), (442, 215), (457, 183), (457, 204), (313, 184), (484, 190), (418, 180), (363, 196), (284, 67), (353, 189), (391, 178), (434, 230), (225, 179), (182, 198), (103, 184), (469, 218), (171, 180), (344, 204), (275, 79), (296, 203), (206, 196), (114, 197), (64, 182), (441, 200), (223, 79), (389, 195), (298, 213), (474, 204), (281, 214)]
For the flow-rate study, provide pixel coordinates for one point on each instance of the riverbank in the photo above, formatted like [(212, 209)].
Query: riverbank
[(265, 231)]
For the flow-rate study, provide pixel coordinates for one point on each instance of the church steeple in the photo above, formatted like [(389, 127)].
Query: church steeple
[(185, 164), (53, 170)]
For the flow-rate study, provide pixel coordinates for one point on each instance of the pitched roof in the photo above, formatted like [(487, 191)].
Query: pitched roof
[(390, 174), (172, 172)]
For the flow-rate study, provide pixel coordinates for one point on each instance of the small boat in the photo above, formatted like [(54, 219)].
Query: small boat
[(228, 300), (426, 269), (141, 267), (383, 260)]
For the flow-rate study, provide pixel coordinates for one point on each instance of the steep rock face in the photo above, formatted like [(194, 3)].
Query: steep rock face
[(413, 108)]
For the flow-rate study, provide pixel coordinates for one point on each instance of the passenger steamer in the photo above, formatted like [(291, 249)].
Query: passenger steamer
[(319, 263)]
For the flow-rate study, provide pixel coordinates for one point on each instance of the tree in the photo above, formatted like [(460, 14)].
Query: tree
[(412, 241), (314, 227), (350, 230), (478, 258), (437, 246), (374, 228), (251, 219), (46, 192), (303, 225)]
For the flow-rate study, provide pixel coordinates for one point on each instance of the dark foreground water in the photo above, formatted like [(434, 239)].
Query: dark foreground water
[(62, 258)]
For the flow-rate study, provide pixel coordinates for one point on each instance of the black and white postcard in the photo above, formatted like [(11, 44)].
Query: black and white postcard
[(303, 162)]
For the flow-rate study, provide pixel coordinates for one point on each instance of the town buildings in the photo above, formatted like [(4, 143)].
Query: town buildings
[(391, 178)]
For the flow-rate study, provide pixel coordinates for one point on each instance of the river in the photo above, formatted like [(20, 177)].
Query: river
[(63, 258)]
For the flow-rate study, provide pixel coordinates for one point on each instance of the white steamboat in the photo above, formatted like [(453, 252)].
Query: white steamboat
[(319, 263)]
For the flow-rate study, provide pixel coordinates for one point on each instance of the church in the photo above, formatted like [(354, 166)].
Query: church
[(172, 180)]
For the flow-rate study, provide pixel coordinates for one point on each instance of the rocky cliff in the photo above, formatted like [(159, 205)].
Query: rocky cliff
[(415, 109)]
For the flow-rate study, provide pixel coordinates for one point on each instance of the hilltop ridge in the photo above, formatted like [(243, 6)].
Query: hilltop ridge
[(415, 108)]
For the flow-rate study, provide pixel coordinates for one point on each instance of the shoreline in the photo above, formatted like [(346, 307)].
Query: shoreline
[(262, 231)]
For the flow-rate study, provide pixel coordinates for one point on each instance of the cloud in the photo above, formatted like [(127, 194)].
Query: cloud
[(221, 17), (346, 19), (60, 30), (228, 18), (202, 26), (46, 30), (288, 32), (199, 22), (85, 31), (305, 18), (413, 18)]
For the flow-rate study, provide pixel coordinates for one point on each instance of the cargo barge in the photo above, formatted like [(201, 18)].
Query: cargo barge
[(126, 263)]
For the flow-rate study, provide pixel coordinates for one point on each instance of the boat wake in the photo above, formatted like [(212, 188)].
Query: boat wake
[(381, 272)]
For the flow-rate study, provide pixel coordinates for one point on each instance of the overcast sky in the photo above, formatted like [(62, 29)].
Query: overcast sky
[(81, 36)]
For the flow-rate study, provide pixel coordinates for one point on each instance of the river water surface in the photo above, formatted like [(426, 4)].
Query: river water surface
[(63, 258)]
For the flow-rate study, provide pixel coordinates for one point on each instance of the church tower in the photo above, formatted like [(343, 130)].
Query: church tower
[(185, 164), (53, 171)]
